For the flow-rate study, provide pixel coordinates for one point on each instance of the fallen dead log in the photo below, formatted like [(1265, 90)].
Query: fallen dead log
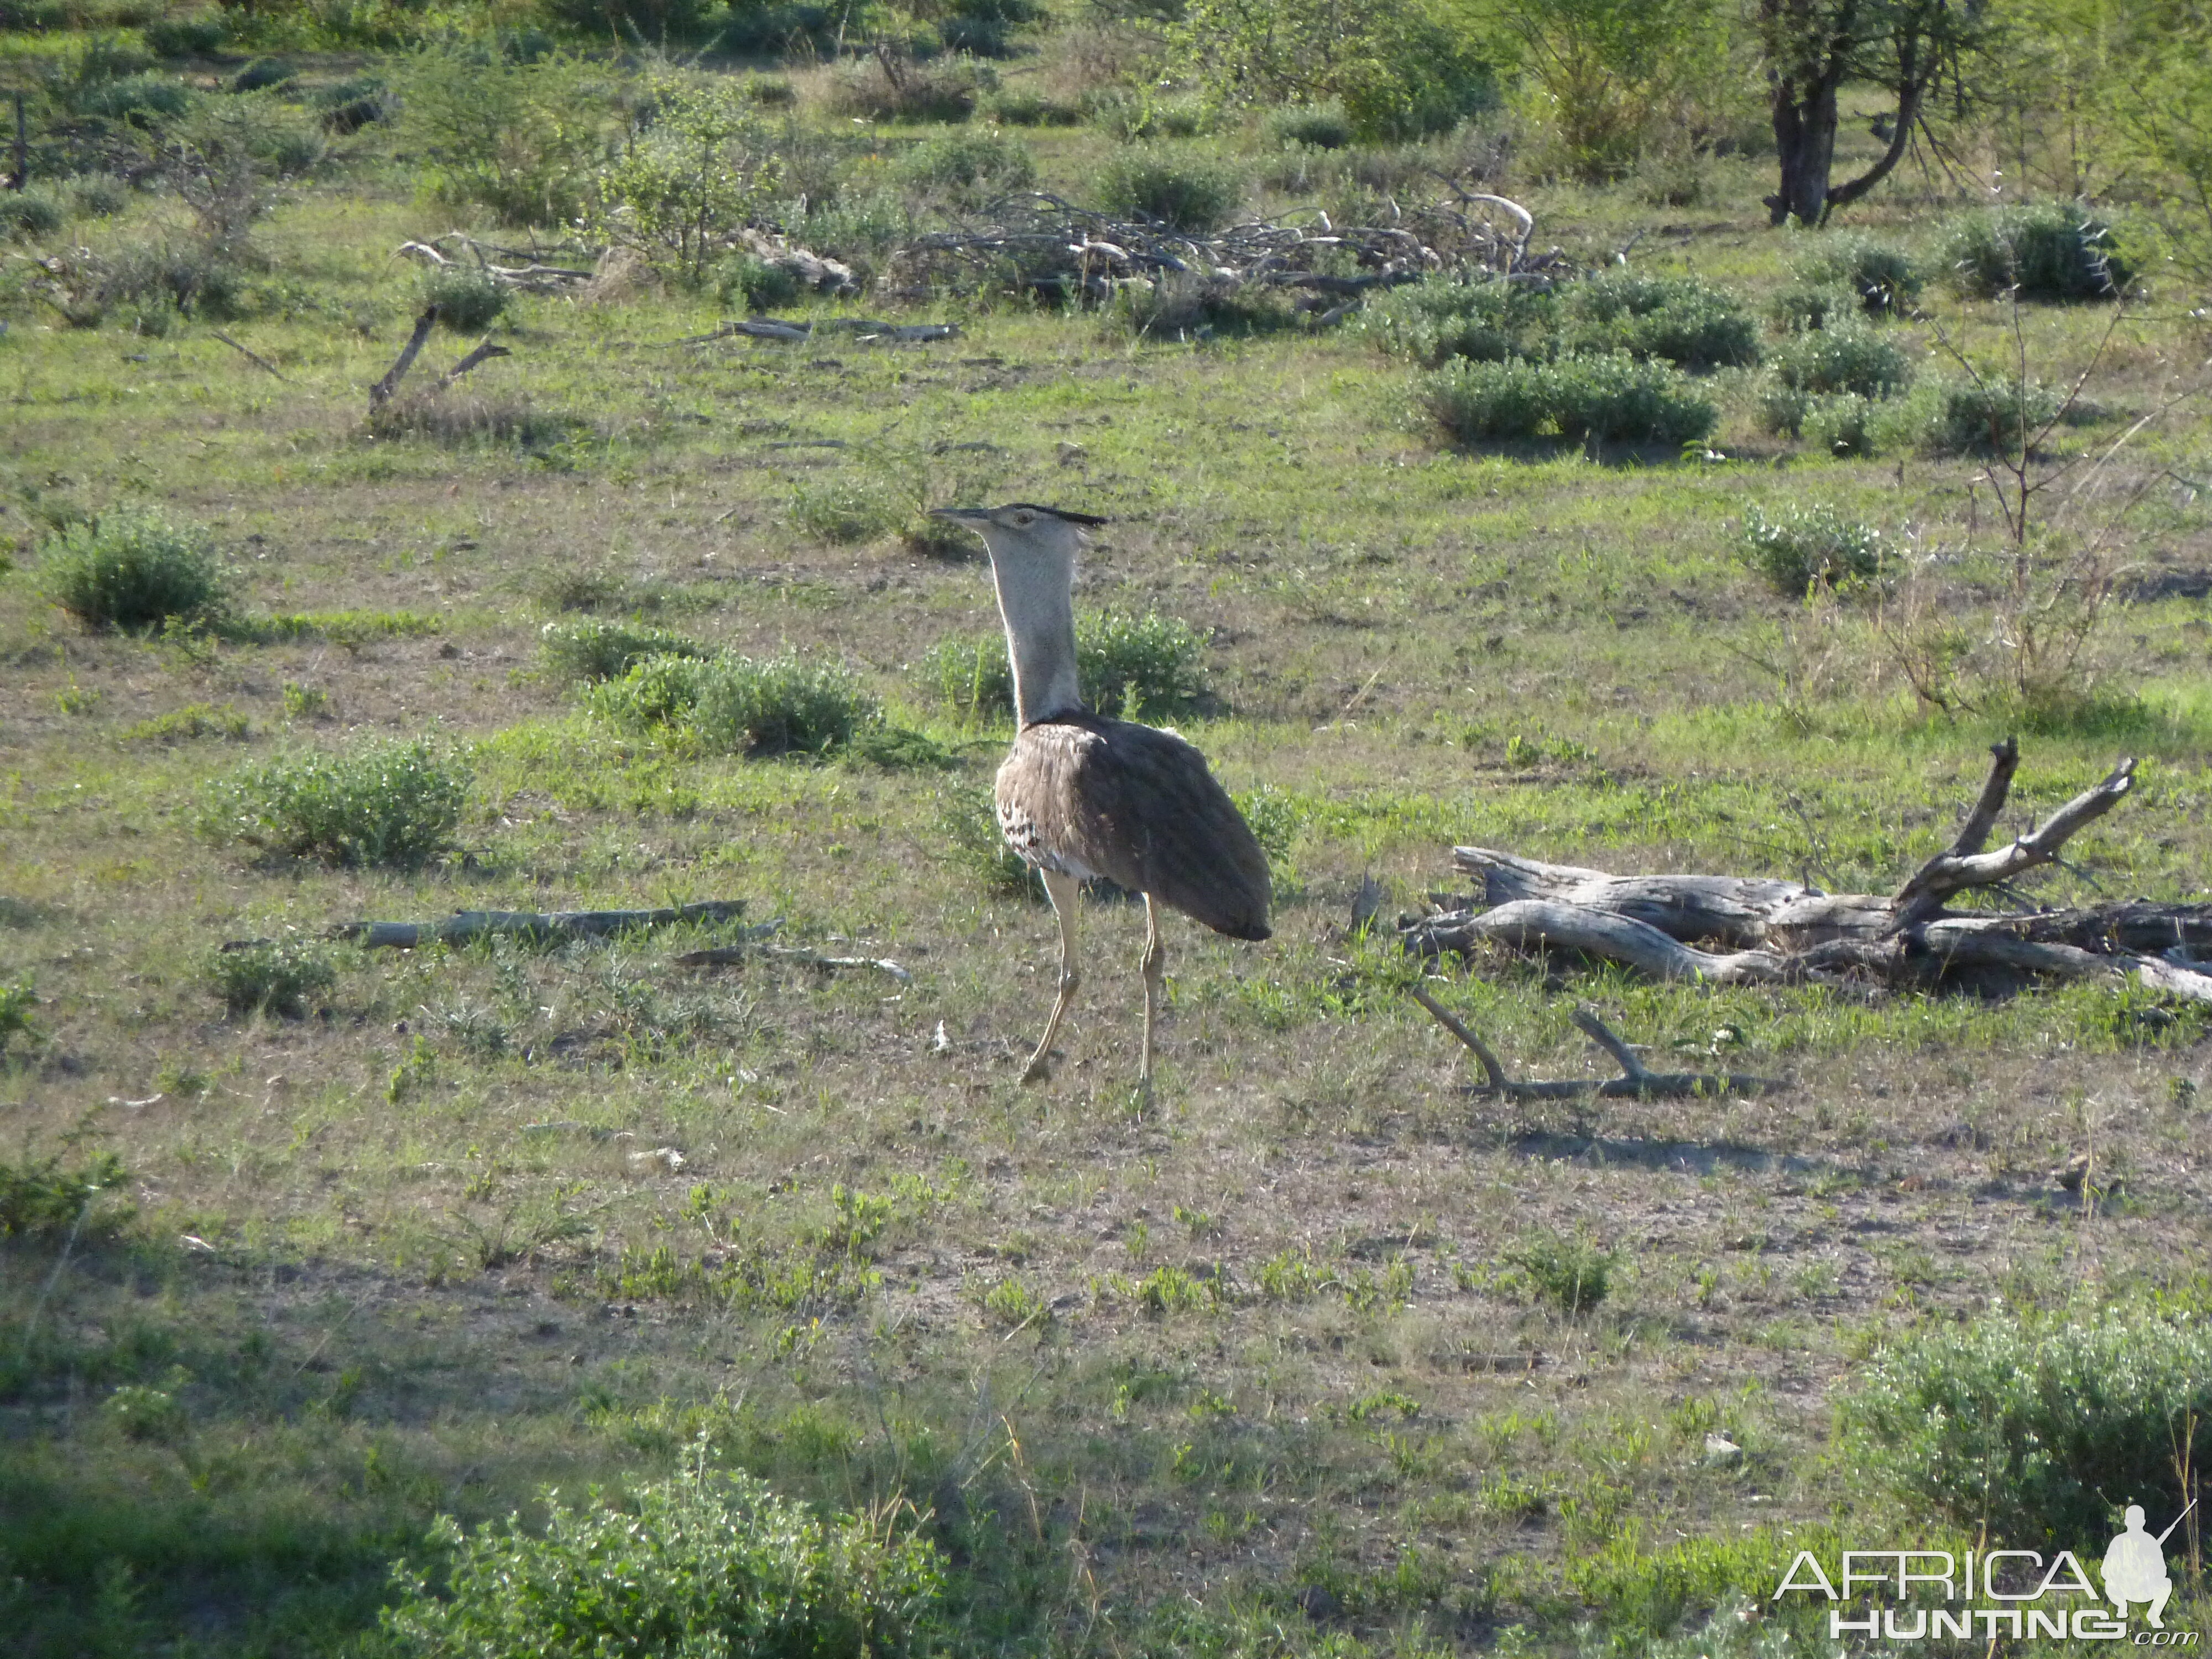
[(1634, 1082), (380, 393), (464, 925), (1762, 930)]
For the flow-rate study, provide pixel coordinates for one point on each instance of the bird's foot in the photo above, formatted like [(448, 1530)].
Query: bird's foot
[(1039, 1069)]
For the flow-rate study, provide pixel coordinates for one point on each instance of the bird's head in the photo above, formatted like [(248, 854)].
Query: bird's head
[(1022, 530)]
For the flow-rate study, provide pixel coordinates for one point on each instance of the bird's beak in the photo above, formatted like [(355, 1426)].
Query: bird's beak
[(967, 518)]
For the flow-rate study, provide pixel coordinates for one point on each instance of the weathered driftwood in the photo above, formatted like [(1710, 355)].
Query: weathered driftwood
[(1633, 1082), (532, 276), (464, 925), (1041, 243), (726, 955), (380, 393), (485, 351), (1759, 930), (864, 330)]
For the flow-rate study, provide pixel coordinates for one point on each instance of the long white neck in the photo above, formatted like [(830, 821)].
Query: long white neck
[(1036, 599)]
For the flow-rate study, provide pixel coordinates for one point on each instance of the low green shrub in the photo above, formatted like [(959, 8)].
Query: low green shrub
[(197, 35), (1184, 189), (40, 1196), (264, 73), (16, 1002), (196, 279), (1802, 306), (732, 704), (1880, 275), (756, 285), (1846, 356), (32, 212), (469, 301), (2048, 252), (1686, 322), (270, 976), (1806, 547), (969, 165), (1317, 126), (1841, 425), (590, 650), (1485, 322), (394, 803), (1567, 1271), (133, 100), (1950, 417), (1149, 666), (100, 195), (2041, 1427), (969, 834), (947, 89), (357, 101), (709, 1562), (785, 705), (849, 507), (1021, 108), (132, 568), (1612, 398)]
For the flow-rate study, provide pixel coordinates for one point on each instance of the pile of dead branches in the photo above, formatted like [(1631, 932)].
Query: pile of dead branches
[(1749, 929), (1041, 244), (525, 270)]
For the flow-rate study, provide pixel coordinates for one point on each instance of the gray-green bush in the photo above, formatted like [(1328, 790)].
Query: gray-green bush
[(1880, 275), (591, 650), (394, 803), (1954, 416), (1567, 1270), (1485, 322), (270, 976), (469, 301), (1318, 126), (1149, 665), (1185, 188), (1679, 319), (708, 1563), (132, 568), (2042, 1427), (1803, 547), (2049, 253), (1846, 356), (732, 704), (969, 165), (1611, 399)]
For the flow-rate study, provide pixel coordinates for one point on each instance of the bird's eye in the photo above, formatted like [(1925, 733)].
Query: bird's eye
[(1025, 518)]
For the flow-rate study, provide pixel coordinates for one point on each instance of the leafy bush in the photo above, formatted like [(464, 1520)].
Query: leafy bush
[(264, 73), (1319, 126), (1841, 425), (1187, 305), (357, 101), (469, 301), (1880, 275), (517, 138), (1570, 1272), (1485, 322), (1604, 399), (395, 804), (270, 977), (1948, 416), (708, 161), (1679, 319), (1844, 356), (2049, 253), (848, 508), (196, 279), (1022, 108), (40, 1196), (756, 284), (100, 195), (1181, 188), (1807, 546), (2045, 1427), (886, 88), (708, 1562), (134, 101), (185, 36), (32, 212), (1804, 305), (16, 1001), (969, 165), (734, 704), (593, 651), (1151, 666), (132, 568)]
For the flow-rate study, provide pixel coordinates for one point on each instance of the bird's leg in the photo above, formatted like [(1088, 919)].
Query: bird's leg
[(1154, 963), (1063, 890)]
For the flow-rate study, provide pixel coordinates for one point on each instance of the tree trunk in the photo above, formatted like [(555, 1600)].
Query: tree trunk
[(1805, 142)]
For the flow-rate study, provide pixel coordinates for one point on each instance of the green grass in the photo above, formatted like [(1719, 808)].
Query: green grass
[(1279, 1362)]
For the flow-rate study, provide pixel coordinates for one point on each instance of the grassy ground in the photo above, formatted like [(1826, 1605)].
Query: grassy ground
[(1263, 1366)]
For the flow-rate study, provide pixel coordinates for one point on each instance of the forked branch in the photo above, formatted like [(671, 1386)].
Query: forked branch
[(1634, 1082)]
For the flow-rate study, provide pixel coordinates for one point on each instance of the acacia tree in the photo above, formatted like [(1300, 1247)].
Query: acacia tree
[(1909, 48)]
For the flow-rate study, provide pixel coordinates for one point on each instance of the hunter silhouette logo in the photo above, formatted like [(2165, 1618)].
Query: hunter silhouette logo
[(2134, 1567), (1985, 1596)]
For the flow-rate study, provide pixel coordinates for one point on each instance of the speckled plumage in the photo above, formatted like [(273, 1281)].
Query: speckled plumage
[(1083, 795)]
